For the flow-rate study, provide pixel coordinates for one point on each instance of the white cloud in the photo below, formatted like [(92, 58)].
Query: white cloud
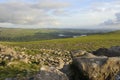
[(110, 11), (51, 4), (24, 13), (52, 13), (111, 6), (115, 21)]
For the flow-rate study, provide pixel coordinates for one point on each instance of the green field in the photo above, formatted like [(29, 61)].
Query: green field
[(21, 35), (88, 43)]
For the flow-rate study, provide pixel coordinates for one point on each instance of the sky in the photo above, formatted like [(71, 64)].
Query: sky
[(85, 14)]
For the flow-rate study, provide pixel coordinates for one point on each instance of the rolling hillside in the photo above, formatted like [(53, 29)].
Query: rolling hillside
[(88, 43), (18, 34), (30, 56)]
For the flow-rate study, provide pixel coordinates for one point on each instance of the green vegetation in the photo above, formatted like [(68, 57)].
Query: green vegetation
[(23, 62), (12, 35), (88, 43), (18, 69)]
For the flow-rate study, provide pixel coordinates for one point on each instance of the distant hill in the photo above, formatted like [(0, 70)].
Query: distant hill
[(89, 43), (18, 34)]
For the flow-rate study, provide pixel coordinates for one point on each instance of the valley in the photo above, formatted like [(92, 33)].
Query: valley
[(25, 60)]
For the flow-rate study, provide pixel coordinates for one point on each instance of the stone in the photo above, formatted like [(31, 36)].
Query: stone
[(78, 53), (117, 77), (96, 67), (50, 73), (111, 52)]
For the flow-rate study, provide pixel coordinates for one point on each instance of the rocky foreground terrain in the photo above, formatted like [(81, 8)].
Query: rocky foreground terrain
[(46, 64)]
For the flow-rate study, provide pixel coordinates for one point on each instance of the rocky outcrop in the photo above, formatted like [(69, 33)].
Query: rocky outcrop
[(29, 62), (48, 57), (50, 73), (102, 64), (46, 73), (111, 52), (91, 67)]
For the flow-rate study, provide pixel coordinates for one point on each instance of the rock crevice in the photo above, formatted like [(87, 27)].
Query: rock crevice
[(91, 66)]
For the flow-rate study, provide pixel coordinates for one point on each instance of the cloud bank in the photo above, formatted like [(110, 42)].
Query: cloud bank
[(59, 13), (115, 21), (23, 13)]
